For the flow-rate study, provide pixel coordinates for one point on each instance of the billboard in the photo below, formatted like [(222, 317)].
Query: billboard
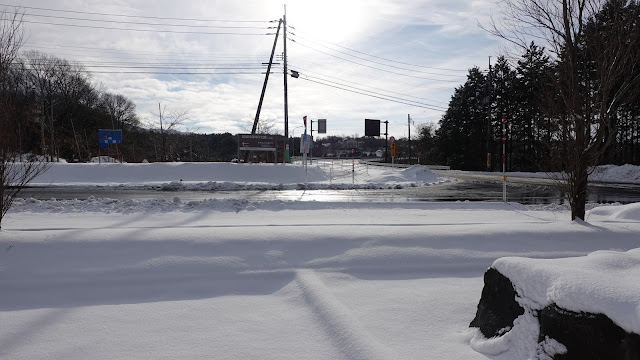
[(107, 137), (322, 126), (257, 142), (371, 127)]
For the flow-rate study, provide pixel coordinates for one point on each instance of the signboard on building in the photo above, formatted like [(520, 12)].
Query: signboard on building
[(256, 142)]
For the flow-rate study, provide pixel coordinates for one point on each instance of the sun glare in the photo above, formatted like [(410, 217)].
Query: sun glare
[(335, 21)]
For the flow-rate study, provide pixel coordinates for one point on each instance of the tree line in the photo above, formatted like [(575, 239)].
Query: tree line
[(571, 103), (54, 110)]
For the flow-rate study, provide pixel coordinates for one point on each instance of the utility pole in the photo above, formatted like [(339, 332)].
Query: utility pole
[(409, 125), (266, 79), (286, 96), (489, 119), (164, 152), (311, 147), (386, 141)]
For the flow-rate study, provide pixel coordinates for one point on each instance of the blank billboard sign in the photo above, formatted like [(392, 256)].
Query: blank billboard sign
[(322, 126), (371, 127)]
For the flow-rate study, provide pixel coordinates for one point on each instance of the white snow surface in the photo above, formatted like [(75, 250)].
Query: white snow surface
[(233, 176), (234, 279)]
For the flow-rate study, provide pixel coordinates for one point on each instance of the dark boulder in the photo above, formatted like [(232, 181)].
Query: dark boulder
[(587, 336), (497, 308)]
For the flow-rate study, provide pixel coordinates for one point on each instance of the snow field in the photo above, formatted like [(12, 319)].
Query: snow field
[(279, 280), (233, 279)]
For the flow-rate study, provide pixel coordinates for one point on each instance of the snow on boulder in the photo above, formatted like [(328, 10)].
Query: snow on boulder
[(583, 306)]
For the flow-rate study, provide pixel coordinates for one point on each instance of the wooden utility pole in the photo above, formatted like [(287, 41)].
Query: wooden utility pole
[(164, 152), (266, 79), (409, 125), (286, 97)]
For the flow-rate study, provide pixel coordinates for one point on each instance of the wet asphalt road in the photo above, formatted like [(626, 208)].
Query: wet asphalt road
[(472, 187)]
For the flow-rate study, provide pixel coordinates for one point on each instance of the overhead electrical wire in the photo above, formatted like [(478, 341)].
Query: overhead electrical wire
[(146, 23), (370, 93), (158, 67), (382, 58), (147, 52), (135, 16), (376, 68), (171, 73), (408, 102), (378, 62), (143, 30), (340, 80), (96, 55), (186, 68)]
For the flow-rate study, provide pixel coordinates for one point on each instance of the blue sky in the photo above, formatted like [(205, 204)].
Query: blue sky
[(407, 51)]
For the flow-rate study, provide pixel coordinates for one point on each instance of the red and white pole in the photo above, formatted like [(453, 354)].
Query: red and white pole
[(504, 157)]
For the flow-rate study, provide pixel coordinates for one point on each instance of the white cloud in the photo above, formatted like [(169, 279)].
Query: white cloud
[(437, 33)]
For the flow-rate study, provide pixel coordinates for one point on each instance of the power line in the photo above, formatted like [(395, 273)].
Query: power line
[(155, 64), (385, 59), (378, 96), (257, 67), (375, 68), (140, 30), (232, 55), (169, 72), (368, 86), (383, 64), (135, 16), (434, 107), (145, 23)]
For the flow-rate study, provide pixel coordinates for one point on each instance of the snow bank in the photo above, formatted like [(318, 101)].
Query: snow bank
[(616, 174), (628, 212), (416, 174), (154, 173), (231, 176)]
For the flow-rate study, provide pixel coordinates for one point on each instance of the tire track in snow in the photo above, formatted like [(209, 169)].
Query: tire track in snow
[(351, 338)]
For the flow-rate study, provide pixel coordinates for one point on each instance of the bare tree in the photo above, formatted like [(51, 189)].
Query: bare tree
[(15, 170), (597, 72), (121, 110), (264, 126), (11, 38), (168, 122)]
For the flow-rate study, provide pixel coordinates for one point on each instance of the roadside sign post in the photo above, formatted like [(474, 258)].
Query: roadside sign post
[(393, 149), (353, 166), (106, 138), (305, 146), (257, 142)]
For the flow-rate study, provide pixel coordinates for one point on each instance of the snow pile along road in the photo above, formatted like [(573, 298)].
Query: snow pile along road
[(228, 176)]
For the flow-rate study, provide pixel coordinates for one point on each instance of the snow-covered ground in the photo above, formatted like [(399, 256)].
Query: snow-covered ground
[(229, 176), (231, 279)]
